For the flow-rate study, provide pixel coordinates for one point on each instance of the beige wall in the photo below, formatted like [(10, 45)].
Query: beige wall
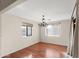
[(11, 39), (63, 39)]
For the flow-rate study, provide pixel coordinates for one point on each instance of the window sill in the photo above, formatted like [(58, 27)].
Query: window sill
[(23, 36), (54, 35)]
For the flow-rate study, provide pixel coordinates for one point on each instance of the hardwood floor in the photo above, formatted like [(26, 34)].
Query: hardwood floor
[(40, 50)]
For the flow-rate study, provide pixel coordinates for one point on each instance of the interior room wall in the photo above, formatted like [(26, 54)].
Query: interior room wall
[(11, 35), (63, 39)]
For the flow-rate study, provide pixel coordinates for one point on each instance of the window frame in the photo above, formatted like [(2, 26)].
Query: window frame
[(59, 28), (26, 31)]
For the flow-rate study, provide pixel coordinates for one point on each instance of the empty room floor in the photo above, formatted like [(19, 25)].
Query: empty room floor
[(40, 50)]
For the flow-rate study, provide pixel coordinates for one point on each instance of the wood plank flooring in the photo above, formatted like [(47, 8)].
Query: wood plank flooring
[(40, 50)]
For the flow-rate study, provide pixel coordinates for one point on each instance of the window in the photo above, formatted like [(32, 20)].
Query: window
[(26, 30), (53, 30)]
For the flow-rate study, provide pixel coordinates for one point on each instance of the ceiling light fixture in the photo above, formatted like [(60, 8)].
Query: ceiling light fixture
[(44, 23)]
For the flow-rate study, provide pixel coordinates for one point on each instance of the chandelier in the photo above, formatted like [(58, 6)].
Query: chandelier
[(44, 23)]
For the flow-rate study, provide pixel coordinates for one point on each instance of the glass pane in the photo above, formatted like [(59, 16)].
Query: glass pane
[(29, 31), (50, 30), (24, 31), (53, 29)]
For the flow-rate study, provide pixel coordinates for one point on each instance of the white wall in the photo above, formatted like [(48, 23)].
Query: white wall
[(64, 36), (11, 39)]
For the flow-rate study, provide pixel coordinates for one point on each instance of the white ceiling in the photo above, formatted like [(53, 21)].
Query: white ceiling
[(52, 9)]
